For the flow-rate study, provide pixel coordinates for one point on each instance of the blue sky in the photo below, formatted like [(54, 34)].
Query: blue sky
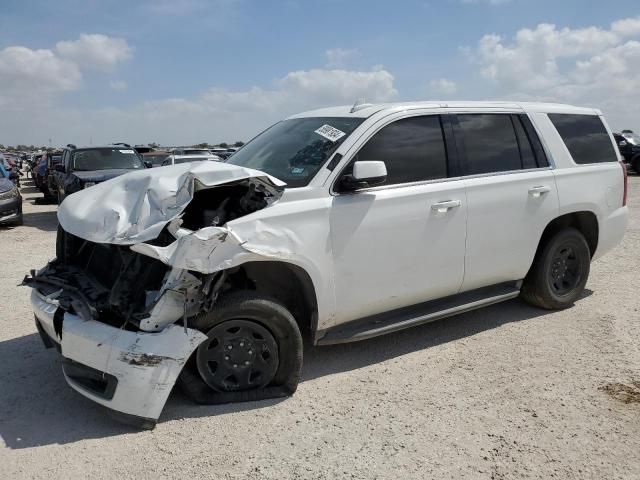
[(193, 70)]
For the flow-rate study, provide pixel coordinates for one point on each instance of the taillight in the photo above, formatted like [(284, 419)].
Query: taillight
[(624, 175)]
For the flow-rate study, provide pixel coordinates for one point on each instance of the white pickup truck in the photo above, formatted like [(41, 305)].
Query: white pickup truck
[(341, 224)]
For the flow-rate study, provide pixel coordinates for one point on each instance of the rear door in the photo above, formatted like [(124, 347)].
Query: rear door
[(511, 194)]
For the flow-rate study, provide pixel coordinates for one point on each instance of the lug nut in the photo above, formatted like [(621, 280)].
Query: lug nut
[(249, 352), (235, 365), (246, 362), (242, 344), (230, 347), (226, 357)]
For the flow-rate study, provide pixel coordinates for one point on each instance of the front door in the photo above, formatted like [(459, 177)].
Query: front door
[(401, 243)]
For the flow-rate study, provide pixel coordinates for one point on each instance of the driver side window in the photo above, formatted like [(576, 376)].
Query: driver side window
[(412, 149)]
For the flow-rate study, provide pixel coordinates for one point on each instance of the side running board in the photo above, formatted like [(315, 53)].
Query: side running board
[(407, 317)]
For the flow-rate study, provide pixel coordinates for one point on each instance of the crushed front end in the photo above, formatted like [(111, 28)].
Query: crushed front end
[(89, 303), (118, 308)]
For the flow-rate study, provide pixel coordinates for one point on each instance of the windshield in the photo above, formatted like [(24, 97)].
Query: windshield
[(156, 159), (190, 159), (106, 158), (294, 150), (632, 138)]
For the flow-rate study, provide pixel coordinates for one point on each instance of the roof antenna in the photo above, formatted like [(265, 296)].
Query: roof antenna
[(359, 105)]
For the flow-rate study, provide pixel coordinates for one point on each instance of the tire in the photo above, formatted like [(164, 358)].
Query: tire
[(249, 312), (635, 164), (545, 285)]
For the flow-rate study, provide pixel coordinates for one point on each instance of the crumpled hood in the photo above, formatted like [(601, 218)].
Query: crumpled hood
[(135, 207), (100, 175)]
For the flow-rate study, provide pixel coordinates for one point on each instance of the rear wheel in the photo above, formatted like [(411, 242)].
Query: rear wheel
[(253, 351), (559, 272)]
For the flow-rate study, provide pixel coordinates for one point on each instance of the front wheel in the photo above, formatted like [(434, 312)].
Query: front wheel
[(559, 272), (253, 351)]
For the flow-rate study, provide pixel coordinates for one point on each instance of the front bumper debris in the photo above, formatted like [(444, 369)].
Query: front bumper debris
[(131, 373)]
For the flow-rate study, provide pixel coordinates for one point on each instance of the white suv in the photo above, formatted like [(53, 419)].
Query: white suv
[(391, 216)]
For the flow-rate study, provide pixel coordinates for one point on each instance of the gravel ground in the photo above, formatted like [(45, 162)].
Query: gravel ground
[(504, 392)]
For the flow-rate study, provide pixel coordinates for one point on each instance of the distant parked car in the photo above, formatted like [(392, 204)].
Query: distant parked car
[(10, 200), (190, 151), (48, 186), (155, 158), (81, 168), (629, 146), (223, 153), (174, 159)]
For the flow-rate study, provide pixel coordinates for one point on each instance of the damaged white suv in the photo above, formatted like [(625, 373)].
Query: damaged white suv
[(340, 224)]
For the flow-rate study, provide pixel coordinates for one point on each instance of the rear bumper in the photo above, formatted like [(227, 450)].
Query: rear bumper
[(612, 230), (10, 209), (131, 373)]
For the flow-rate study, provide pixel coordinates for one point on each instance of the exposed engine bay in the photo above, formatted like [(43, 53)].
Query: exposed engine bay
[(121, 287)]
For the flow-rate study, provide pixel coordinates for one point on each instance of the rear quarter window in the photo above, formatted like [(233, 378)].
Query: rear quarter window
[(585, 136)]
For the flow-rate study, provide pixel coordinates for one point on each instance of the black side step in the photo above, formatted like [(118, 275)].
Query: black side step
[(406, 317)]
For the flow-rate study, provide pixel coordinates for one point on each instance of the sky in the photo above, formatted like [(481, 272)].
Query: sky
[(179, 72)]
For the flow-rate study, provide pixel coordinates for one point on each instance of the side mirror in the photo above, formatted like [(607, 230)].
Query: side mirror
[(59, 168), (367, 173), (148, 164)]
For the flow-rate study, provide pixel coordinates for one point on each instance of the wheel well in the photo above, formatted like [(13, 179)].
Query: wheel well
[(585, 222), (289, 284)]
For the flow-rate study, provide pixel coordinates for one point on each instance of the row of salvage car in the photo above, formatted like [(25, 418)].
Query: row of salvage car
[(62, 172)]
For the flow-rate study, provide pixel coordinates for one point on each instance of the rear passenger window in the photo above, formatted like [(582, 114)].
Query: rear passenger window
[(585, 137), (413, 150), (490, 143)]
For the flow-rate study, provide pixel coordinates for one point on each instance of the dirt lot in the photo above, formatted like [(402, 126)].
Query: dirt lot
[(505, 392)]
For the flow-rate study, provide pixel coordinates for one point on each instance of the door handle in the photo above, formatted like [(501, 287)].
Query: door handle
[(536, 192), (444, 207)]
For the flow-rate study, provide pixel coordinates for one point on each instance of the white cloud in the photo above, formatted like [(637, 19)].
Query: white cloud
[(215, 115), (118, 85), (34, 76), (340, 57), (95, 51), (589, 66), (443, 86), (627, 27)]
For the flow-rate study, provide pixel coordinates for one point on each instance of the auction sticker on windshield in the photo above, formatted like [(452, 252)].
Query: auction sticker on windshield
[(330, 133), (126, 151)]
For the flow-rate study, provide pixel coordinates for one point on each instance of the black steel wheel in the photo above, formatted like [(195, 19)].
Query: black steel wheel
[(566, 270), (559, 272), (265, 358), (238, 355)]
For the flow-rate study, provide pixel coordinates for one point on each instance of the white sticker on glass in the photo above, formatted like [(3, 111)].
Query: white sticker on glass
[(126, 151), (330, 133)]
